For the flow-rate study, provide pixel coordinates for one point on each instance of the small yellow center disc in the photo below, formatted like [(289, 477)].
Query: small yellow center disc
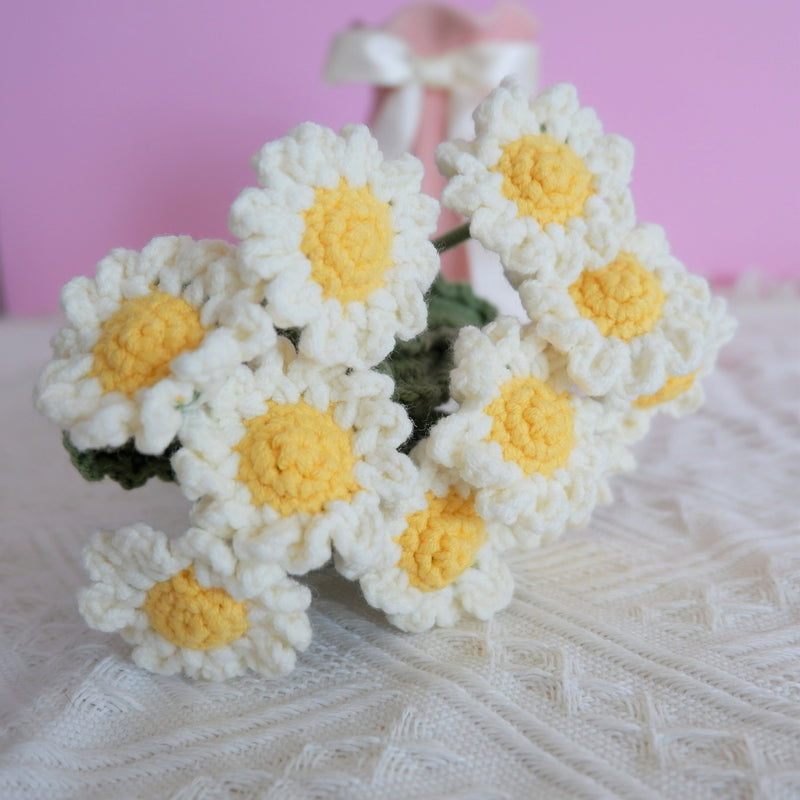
[(139, 341), (189, 615), (533, 424), (545, 178), (440, 541), (348, 240), (295, 458), (669, 391), (623, 298)]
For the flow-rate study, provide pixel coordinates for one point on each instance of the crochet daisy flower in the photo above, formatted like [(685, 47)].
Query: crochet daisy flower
[(521, 436), (146, 336), (293, 456), (680, 394), (631, 324), (187, 605), (444, 557), (337, 242), (541, 184)]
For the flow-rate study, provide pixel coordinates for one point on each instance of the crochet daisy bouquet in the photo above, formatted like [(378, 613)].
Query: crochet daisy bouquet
[(319, 391)]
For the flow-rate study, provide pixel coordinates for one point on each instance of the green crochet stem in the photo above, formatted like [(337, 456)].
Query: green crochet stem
[(420, 369), (452, 238)]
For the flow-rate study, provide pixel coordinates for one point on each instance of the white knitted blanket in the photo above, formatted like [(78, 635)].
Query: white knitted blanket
[(654, 654)]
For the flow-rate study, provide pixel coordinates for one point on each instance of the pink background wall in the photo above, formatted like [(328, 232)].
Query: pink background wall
[(120, 121)]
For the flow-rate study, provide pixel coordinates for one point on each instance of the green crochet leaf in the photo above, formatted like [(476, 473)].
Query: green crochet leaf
[(125, 465), (421, 367), (453, 304)]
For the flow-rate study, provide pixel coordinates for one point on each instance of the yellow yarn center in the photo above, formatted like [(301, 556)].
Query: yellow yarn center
[(545, 178), (296, 458), (440, 541), (139, 341), (669, 391), (192, 616), (623, 298), (348, 240), (533, 424)]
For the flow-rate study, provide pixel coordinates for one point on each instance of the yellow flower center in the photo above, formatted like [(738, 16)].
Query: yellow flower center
[(139, 341), (348, 240), (533, 424), (545, 178), (623, 298), (189, 615), (440, 541), (296, 458), (669, 391)]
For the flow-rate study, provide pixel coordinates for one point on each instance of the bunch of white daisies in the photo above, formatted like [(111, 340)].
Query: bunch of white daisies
[(259, 376)]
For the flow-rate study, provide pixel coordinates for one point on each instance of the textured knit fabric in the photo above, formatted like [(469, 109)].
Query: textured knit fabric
[(653, 654)]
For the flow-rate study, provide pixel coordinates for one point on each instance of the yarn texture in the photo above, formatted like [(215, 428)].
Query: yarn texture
[(348, 259), (541, 184), (319, 394)]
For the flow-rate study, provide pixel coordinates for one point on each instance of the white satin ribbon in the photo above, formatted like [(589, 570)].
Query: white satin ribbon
[(365, 55)]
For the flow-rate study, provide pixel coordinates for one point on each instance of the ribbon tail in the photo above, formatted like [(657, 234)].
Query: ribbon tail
[(396, 121)]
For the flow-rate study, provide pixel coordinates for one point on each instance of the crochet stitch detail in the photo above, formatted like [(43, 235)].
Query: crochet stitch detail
[(296, 458), (192, 616), (440, 541), (533, 424), (318, 394), (139, 341), (623, 298), (674, 386), (348, 240), (545, 178)]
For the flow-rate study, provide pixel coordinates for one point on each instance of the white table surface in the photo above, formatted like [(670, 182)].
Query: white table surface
[(655, 653)]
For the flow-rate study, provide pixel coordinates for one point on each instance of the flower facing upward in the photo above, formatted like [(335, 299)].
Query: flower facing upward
[(336, 240), (188, 606), (541, 184), (147, 336), (294, 456), (635, 326)]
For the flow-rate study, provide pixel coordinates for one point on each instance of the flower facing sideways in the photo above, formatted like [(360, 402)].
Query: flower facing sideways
[(444, 561), (633, 324)]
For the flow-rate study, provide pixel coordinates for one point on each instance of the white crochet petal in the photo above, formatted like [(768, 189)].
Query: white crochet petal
[(339, 324), (233, 328), (293, 532), (531, 244), (126, 564)]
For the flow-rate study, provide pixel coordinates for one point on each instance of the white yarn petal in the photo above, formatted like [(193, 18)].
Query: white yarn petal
[(269, 618), (533, 244), (343, 320), (291, 458), (105, 403)]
